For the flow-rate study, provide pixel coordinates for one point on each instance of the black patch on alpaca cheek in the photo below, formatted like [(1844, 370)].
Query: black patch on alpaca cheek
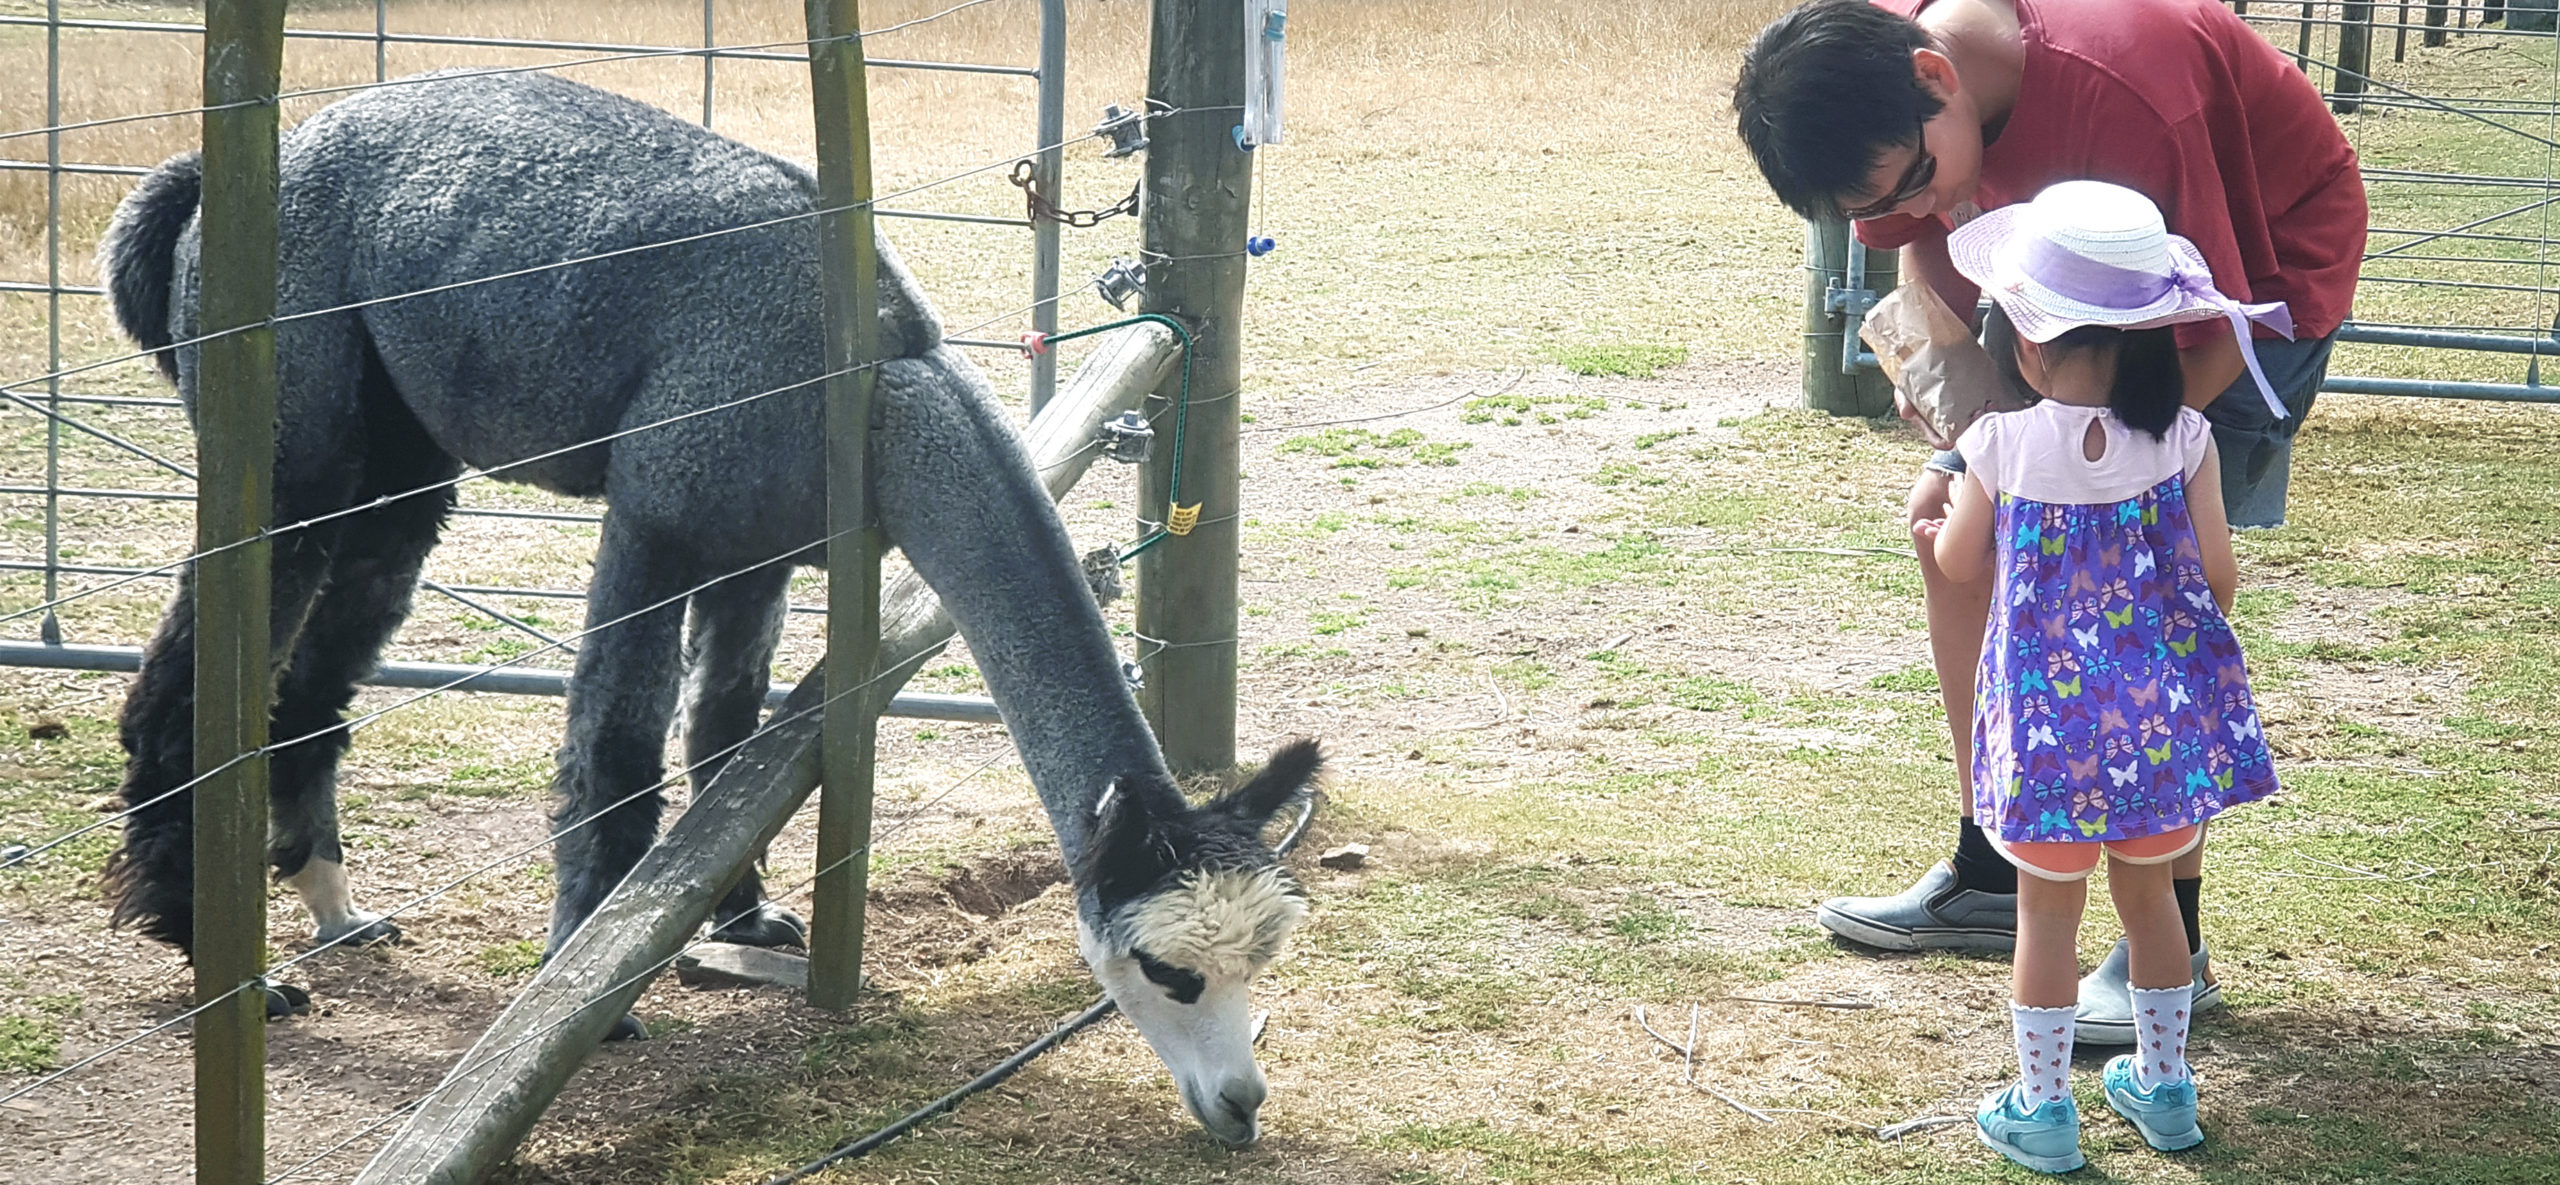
[(1183, 985)]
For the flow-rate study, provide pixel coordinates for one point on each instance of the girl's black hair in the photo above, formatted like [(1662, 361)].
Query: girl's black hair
[(2149, 388)]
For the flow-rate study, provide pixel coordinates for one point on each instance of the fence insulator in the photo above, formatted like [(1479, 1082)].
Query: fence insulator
[(1122, 280), (1129, 438), (1127, 130)]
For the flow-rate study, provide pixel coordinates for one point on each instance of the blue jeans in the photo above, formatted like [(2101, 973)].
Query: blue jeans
[(2256, 447)]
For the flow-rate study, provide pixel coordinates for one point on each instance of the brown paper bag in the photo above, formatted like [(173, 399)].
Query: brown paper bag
[(1930, 356)]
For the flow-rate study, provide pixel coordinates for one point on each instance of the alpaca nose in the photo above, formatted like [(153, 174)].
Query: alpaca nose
[(1241, 1098)]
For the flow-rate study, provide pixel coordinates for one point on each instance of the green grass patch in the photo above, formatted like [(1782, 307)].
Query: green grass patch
[(29, 1044), (1618, 361)]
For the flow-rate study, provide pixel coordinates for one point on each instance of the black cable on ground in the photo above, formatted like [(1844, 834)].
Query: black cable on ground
[(1002, 1070)]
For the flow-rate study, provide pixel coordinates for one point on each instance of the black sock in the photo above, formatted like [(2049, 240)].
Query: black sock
[(2187, 889), (1979, 866)]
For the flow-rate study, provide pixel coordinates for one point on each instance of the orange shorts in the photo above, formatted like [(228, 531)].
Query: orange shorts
[(2057, 861)]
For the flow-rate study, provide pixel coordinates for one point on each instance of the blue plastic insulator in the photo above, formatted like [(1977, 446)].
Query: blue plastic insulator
[(1238, 132), (1260, 245)]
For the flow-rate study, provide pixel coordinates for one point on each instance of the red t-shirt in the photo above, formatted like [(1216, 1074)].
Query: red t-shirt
[(2181, 100)]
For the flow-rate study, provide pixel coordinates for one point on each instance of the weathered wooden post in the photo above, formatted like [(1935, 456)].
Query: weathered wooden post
[(2400, 34), (1199, 185), (235, 499), (2302, 40), (2435, 24), (849, 261), (2355, 56)]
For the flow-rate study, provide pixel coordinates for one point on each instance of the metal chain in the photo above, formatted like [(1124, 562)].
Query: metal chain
[(1040, 209)]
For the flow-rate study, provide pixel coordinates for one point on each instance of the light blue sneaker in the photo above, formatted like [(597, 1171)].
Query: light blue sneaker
[(2046, 1139), (2165, 1115)]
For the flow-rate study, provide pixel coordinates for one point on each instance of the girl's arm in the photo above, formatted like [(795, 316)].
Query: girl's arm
[(1963, 544), (2213, 527)]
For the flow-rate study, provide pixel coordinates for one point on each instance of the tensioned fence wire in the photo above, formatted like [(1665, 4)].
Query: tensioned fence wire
[(8, 389), (360, 721), (449, 886), (909, 819), (563, 643), (45, 395)]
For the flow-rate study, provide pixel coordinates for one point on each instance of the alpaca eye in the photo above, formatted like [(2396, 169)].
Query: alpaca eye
[(1183, 985)]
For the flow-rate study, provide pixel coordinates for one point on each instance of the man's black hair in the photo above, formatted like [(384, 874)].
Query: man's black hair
[(1823, 92)]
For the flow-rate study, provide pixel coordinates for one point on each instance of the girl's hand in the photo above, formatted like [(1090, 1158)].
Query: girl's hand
[(1926, 530)]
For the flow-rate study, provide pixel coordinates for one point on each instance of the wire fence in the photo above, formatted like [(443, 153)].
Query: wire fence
[(115, 472), (92, 424), (2454, 112)]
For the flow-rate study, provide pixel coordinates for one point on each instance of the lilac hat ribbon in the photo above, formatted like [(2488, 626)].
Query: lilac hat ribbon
[(2069, 274)]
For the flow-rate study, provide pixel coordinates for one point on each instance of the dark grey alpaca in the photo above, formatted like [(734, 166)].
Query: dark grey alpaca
[(446, 181)]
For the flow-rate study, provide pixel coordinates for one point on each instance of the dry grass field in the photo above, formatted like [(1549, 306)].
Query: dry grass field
[(1617, 652)]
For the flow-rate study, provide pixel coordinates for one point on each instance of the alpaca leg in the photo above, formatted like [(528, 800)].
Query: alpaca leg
[(152, 876), (621, 697), (371, 578), (728, 668)]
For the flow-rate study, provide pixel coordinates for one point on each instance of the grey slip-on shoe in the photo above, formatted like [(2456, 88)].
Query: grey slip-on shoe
[(1934, 914), (2105, 1016)]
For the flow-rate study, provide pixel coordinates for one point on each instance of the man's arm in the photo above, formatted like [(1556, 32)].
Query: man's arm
[(2210, 366)]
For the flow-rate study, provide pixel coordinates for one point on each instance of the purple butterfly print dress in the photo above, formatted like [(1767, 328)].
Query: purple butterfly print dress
[(2112, 701)]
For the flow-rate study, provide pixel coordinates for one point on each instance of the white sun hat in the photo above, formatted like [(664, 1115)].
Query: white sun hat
[(2093, 253)]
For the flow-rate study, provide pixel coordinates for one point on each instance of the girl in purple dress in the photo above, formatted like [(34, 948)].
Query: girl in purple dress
[(2112, 714)]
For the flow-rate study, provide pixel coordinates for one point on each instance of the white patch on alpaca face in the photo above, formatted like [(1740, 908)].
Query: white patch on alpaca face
[(1223, 924), (1206, 1043)]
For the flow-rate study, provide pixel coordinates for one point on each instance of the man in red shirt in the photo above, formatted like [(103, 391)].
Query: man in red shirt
[(1910, 117)]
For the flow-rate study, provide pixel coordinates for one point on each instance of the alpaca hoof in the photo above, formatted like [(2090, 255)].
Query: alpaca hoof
[(765, 925), (284, 999), (626, 1029), (359, 929)]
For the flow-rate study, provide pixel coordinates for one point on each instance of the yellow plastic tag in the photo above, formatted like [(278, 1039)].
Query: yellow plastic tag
[(1182, 519)]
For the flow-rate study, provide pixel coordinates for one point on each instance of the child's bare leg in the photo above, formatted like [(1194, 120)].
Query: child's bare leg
[(2045, 973), (2163, 988), (2045, 985), (2152, 927)]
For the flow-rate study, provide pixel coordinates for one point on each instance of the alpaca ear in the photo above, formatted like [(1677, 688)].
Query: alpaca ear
[(1287, 778), (1122, 858)]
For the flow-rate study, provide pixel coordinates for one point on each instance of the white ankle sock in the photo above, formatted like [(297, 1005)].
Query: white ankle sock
[(2044, 1052), (2160, 1034)]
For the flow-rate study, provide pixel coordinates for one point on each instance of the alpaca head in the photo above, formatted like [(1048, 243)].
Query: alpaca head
[(1192, 906)]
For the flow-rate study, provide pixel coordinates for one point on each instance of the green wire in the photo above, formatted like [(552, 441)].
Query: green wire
[(1181, 413)]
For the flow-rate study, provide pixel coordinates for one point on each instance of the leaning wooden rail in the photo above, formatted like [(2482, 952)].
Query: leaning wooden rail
[(478, 1116)]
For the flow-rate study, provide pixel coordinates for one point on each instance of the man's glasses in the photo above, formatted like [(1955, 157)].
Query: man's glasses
[(1915, 181)]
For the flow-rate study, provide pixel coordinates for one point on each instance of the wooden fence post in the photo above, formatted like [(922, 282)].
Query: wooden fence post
[(1199, 185), (849, 262), (2355, 56), (235, 488), (2435, 25)]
